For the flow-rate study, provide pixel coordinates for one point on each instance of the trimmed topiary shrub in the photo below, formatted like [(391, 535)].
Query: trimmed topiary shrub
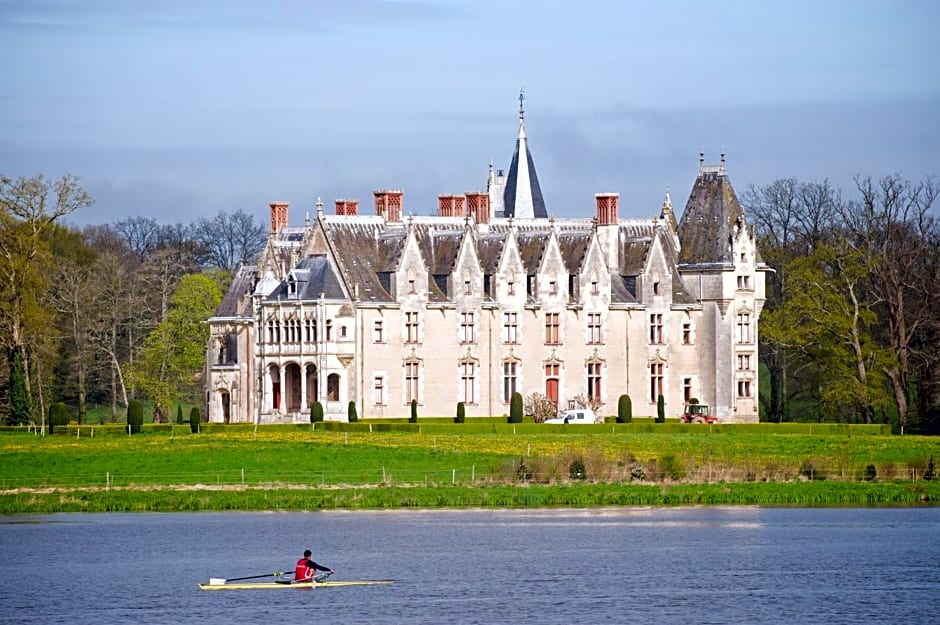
[(461, 413), (515, 408), (194, 418), (58, 415), (624, 409), (179, 414), (351, 413), (316, 412), (660, 409), (135, 415), (414, 411)]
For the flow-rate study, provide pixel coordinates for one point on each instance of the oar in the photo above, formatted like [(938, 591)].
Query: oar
[(221, 581)]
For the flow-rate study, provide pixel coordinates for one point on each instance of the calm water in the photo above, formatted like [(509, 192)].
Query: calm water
[(625, 565)]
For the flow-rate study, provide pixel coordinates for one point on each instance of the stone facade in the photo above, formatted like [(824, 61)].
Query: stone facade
[(466, 306)]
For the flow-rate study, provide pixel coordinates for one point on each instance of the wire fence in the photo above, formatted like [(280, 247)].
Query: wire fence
[(514, 472)]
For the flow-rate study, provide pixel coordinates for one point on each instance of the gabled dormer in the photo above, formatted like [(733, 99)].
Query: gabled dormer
[(552, 274), (468, 276), (594, 279), (656, 284), (411, 274), (511, 275)]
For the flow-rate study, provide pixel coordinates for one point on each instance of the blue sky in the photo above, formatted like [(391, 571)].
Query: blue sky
[(178, 109)]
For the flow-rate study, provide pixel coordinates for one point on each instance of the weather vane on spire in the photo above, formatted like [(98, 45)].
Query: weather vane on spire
[(521, 100)]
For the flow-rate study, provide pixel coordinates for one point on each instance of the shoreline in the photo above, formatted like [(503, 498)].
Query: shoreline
[(204, 498)]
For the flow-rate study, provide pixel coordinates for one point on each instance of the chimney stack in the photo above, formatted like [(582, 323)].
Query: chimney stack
[(607, 208), (278, 216), (478, 206), (347, 207), (450, 206), (388, 203)]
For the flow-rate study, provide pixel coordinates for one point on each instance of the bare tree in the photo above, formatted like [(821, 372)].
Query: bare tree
[(891, 226), (231, 238)]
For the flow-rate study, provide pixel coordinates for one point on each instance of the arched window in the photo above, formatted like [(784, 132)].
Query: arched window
[(332, 387)]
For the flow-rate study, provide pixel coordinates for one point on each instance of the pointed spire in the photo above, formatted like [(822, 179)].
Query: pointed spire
[(522, 196)]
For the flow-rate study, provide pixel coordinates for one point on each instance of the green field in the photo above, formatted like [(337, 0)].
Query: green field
[(443, 464)]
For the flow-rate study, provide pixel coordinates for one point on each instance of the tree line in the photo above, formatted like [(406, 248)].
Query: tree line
[(102, 314), (106, 313), (851, 328)]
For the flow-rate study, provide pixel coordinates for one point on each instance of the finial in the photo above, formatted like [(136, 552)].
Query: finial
[(319, 207), (722, 159), (701, 160), (307, 219), (521, 100)]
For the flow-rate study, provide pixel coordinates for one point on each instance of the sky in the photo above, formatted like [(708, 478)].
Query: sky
[(179, 109)]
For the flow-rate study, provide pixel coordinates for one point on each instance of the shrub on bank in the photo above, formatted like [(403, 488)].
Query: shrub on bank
[(58, 416), (135, 416)]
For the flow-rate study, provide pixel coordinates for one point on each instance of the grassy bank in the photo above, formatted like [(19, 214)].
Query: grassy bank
[(440, 464), (802, 494)]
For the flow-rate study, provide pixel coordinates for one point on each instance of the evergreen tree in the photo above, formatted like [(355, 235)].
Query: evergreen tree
[(461, 413), (414, 411), (351, 413), (660, 409), (515, 408), (624, 409), (19, 398)]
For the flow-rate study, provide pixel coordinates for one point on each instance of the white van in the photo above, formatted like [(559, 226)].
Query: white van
[(575, 415)]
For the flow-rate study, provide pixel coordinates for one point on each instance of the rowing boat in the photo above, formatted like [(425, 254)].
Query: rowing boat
[(286, 584)]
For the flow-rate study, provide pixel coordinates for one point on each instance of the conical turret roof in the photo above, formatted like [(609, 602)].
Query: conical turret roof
[(522, 197)]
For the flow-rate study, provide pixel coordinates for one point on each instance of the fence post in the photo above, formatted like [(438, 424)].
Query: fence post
[(243, 477), (453, 476), (473, 473)]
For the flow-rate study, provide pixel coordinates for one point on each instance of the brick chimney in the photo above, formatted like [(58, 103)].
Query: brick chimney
[(388, 204), (607, 208), (278, 216), (450, 206), (347, 207), (478, 206)]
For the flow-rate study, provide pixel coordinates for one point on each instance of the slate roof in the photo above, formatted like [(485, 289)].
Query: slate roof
[(234, 303), (522, 196), (709, 219)]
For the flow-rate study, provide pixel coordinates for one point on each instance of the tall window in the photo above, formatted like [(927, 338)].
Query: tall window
[(744, 328), (686, 389), (744, 282), (468, 382), (511, 287), (686, 332), (552, 288), (329, 330), (656, 380), (595, 290), (411, 327), (467, 327), (744, 388), (594, 328), (412, 371), (310, 330), (656, 328), (511, 328), (509, 379), (551, 328), (378, 331), (467, 290), (594, 380), (378, 391), (744, 362), (274, 331)]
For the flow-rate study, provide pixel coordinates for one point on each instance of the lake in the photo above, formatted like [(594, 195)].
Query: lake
[(678, 566)]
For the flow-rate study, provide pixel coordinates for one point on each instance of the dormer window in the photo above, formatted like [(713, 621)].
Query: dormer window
[(656, 288), (291, 285), (466, 288), (552, 288), (595, 289), (411, 286)]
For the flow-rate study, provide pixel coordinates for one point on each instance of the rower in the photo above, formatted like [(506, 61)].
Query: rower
[(306, 569)]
